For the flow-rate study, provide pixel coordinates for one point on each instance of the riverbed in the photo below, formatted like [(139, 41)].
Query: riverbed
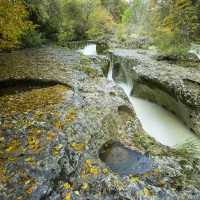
[(159, 123), (51, 149)]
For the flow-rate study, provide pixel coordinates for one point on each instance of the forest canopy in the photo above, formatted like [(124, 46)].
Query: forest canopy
[(169, 22), (13, 23)]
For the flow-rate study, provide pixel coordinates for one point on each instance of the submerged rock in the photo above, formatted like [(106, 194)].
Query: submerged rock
[(123, 160)]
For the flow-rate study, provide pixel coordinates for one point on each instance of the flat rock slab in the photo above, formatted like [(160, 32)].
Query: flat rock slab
[(50, 137)]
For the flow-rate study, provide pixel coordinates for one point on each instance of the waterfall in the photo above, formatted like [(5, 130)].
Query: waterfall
[(161, 124), (156, 121), (89, 49), (195, 49), (110, 72)]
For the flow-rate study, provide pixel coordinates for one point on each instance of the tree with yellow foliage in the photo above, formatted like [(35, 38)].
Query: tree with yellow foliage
[(174, 24), (181, 17), (100, 23), (13, 23)]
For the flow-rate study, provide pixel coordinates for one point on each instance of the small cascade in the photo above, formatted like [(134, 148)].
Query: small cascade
[(110, 72), (89, 49), (156, 121), (195, 49)]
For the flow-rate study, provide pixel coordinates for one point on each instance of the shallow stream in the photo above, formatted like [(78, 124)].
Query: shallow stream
[(161, 124), (89, 49)]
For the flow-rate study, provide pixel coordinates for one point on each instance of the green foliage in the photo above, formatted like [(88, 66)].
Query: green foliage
[(189, 149), (120, 34), (13, 23), (115, 7), (171, 43), (99, 25), (73, 22), (66, 33), (180, 17), (47, 14), (33, 38), (86, 67), (127, 16), (67, 20), (174, 24)]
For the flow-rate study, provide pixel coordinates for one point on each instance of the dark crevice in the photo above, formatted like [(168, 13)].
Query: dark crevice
[(15, 86)]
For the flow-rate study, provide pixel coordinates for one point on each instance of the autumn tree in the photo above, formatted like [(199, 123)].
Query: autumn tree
[(13, 23), (116, 8), (99, 26), (83, 19), (179, 16), (71, 25), (174, 24)]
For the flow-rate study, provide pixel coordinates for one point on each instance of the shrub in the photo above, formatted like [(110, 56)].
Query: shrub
[(33, 38), (189, 149), (171, 43)]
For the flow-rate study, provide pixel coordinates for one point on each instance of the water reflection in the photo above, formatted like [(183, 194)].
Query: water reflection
[(123, 160)]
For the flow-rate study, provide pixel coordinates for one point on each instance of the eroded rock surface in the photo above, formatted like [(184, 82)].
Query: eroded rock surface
[(50, 137), (171, 86)]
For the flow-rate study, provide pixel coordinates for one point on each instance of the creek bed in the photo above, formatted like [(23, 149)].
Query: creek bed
[(164, 126)]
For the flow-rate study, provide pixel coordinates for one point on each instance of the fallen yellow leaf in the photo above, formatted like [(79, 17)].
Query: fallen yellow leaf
[(29, 190), (33, 163), (58, 147), (67, 197), (137, 193), (120, 185), (147, 192), (72, 144), (2, 171), (83, 176), (135, 179), (49, 138), (28, 159), (84, 186), (66, 185), (1, 186), (77, 192), (88, 161), (105, 170), (11, 148)]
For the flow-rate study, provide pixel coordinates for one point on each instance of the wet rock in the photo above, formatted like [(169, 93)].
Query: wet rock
[(50, 137), (123, 160), (169, 85), (100, 62), (129, 42), (42, 192)]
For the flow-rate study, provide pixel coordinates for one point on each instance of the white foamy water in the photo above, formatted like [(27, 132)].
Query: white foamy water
[(109, 77), (161, 124), (89, 49), (158, 122)]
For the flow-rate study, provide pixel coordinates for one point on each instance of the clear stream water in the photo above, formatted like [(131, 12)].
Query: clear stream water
[(156, 121), (89, 49)]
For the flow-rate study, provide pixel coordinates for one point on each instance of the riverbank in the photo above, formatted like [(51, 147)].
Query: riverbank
[(174, 87), (51, 136)]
